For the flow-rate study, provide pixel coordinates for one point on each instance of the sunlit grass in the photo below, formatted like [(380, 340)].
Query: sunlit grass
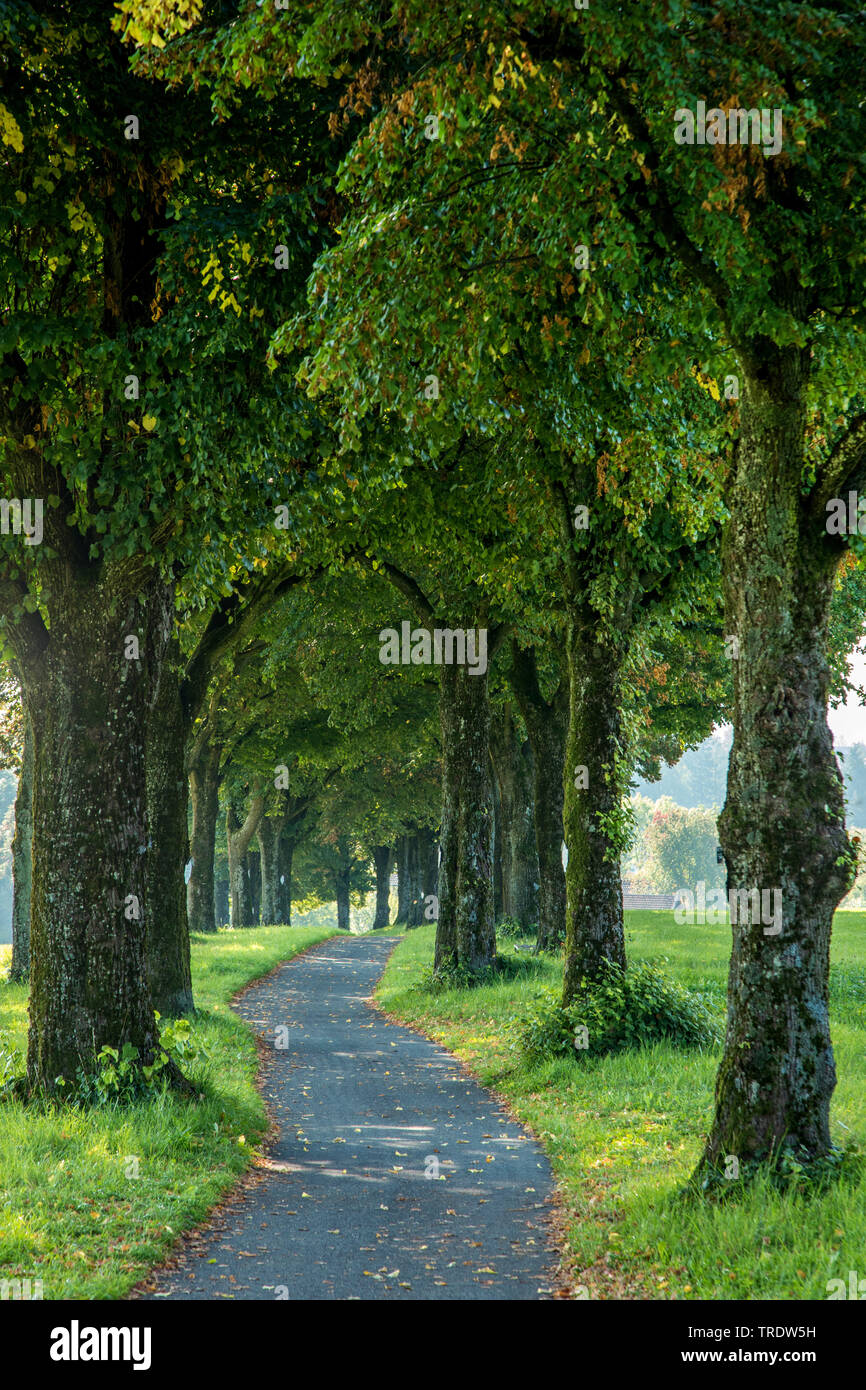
[(625, 1132), (89, 1200)]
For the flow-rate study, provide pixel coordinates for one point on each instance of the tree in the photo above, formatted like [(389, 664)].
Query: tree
[(131, 459), (546, 719), (683, 846), (513, 766)]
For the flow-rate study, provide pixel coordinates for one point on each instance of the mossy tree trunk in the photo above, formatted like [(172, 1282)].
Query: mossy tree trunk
[(204, 782), (239, 836), (513, 766), (414, 915), (547, 725), (22, 860), (89, 703), (498, 894), (594, 919), (382, 859), (465, 932), (404, 893), (269, 837), (782, 827), (167, 935)]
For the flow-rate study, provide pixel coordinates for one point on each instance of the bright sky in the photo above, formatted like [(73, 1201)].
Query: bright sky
[(848, 722)]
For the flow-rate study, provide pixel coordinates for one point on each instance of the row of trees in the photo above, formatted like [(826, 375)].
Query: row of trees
[(433, 305)]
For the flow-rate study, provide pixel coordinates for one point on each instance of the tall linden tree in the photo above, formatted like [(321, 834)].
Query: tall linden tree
[(139, 426)]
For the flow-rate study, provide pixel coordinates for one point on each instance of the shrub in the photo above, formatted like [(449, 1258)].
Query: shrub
[(510, 930), (633, 1008)]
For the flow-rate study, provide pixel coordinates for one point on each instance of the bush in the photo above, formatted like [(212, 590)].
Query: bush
[(625, 1009), (509, 930)]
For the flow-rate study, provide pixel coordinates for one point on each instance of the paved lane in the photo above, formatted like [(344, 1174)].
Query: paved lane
[(394, 1175)]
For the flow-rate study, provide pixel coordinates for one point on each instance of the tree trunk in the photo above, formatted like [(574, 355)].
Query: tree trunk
[(89, 706), (286, 850), (548, 761), (253, 871), (404, 896), (524, 855), (415, 913), (204, 773), (513, 766), (167, 934), (239, 837), (269, 860), (502, 839), (341, 883), (465, 933), (782, 827), (594, 920), (498, 889), (547, 725), (22, 863), (428, 870), (222, 905), (382, 858)]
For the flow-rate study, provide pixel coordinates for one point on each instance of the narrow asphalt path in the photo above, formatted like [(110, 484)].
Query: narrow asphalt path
[(394, 1175)]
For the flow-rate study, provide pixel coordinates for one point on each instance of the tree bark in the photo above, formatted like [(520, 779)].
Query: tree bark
[(22, 862), (428, 869), (167, 934), (269, 860), (239, 837), (382, 859), (594, 920), (204, 775), (415, 912), (404, 895), (253, 872), (782, 827), (286, 850), (90, 706), (513, 766), (547, 725), (222, 904), (465, 933), (341, 885), (498, 893)]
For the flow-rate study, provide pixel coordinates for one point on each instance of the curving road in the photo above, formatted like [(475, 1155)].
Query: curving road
[(394, 1175)]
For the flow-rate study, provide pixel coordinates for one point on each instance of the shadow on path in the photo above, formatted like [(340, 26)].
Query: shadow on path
[(393, 1175)]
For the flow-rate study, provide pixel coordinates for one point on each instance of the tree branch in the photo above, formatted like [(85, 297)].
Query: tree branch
[(844, 469)]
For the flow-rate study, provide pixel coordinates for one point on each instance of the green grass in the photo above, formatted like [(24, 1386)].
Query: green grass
[(625, 1132), (72, 1211)]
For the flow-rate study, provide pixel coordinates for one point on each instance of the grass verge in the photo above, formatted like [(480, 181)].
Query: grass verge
[(623, 1133), (90, 1200)]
